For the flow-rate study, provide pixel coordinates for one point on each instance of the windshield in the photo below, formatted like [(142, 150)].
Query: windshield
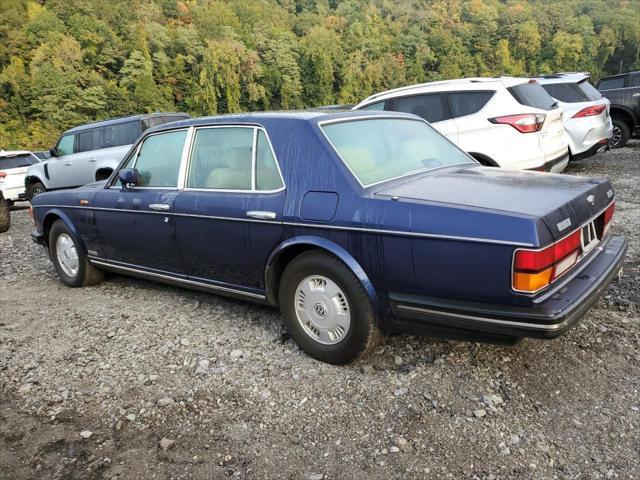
[(379, 149)]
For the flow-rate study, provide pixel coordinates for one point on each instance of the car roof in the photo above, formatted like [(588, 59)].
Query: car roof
[(124, 119), (563, 77), (471, 83), (13, 153), (258, 118)]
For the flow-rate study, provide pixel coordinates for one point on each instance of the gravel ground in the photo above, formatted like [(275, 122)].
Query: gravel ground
[(132, 379)]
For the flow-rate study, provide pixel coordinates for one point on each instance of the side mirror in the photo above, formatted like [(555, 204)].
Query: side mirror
[(53, 152), (129, 177)]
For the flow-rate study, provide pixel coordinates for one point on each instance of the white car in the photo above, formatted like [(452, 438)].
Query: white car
[(586, 112), (13, 170), (502, 122)]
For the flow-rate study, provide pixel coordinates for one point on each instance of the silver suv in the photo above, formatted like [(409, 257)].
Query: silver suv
[(90, 152)]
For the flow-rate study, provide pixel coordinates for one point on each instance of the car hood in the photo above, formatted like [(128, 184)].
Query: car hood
[(560, 202)]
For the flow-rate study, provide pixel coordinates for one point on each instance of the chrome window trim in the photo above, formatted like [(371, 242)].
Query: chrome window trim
[(313, 225), (253, 159), (415, 118)]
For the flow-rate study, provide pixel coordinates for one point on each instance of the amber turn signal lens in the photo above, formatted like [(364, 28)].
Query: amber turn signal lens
[(532, 282)]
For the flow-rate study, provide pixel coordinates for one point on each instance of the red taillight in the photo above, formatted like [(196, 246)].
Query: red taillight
[(608, 216), (590, 111), (524, 123), (535, 269), (3, 174)]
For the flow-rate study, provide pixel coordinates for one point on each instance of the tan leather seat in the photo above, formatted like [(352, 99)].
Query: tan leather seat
[(234, 172)]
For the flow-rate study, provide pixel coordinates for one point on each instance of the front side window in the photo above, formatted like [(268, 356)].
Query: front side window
[(65, 145), (431, 107), (223, 159), (381, 149), (468, 103), (158, 160)]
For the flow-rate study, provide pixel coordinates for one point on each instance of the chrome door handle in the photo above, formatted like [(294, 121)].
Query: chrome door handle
[(163, 207), (92, 159), (261, 215), (68, 164)]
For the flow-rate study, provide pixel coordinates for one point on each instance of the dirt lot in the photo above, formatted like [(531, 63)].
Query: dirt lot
[(92, 380)]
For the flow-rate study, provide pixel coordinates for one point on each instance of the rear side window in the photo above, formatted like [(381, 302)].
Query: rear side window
[(374, 106), (589, 90), (65, 145), (158, 160), (467, 103), (533, 95), (17, 161), (431, 107), (635, 81), (122, 134), (611, 83), (267, 174)]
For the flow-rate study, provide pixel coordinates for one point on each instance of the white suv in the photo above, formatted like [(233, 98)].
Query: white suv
[(585, 111), (13, 170), (503, 122)]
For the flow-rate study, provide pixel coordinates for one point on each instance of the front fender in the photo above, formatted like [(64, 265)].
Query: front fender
[(51, 216), (329, 246)]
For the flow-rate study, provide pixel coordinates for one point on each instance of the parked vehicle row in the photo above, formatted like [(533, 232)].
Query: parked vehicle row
[(354, 224), (501, 122), (90, 152), (623, 91)]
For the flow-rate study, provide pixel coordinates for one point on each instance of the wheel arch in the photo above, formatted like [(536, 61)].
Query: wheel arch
[(56, 214), (103, 173), (483, 159), (625, 114), (31, 179), (291, 248)]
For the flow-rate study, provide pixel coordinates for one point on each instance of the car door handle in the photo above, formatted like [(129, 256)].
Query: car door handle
[(163, 207), (68, 164), (260, 215), (92, 159)]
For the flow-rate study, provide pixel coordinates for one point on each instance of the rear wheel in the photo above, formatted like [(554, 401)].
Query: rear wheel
[(5, 215), (34, 189), (621, 133), (69, 259), (326, 310)]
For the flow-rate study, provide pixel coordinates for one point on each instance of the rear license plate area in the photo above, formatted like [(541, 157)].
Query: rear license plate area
[(589, 237)]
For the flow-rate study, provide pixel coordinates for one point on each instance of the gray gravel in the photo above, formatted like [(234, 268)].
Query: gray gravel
[(132, 379)]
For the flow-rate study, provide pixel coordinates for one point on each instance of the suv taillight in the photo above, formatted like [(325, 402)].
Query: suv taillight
[(524, 123), (2, 175), (590, 111)]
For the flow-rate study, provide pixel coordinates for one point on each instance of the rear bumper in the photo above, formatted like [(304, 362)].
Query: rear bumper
[(548, 318), (598, 147), (14, 193), (556, 165)]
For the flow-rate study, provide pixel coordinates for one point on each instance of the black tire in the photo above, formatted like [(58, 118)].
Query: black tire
[(5, 215), (34, 189), (364, 332), (86, 273), (621, 133)]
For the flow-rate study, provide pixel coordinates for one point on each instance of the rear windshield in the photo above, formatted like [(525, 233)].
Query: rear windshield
[(381, 149), (533, 95), (569, 92), (17, 161)]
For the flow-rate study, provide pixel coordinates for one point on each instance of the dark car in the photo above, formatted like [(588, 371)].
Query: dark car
[(623, 91), (353, 223)]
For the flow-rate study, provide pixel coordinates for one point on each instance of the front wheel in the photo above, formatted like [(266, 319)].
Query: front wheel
[(621, 133), (34, 189), (326, 310), (69, 259)]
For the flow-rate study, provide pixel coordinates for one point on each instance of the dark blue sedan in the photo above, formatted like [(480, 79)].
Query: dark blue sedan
[(354, 224)]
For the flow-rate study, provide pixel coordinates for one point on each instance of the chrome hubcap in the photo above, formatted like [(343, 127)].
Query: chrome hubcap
[(67, 255), (322, 310)]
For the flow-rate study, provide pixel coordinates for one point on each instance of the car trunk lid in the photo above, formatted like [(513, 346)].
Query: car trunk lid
[(562, 203)]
